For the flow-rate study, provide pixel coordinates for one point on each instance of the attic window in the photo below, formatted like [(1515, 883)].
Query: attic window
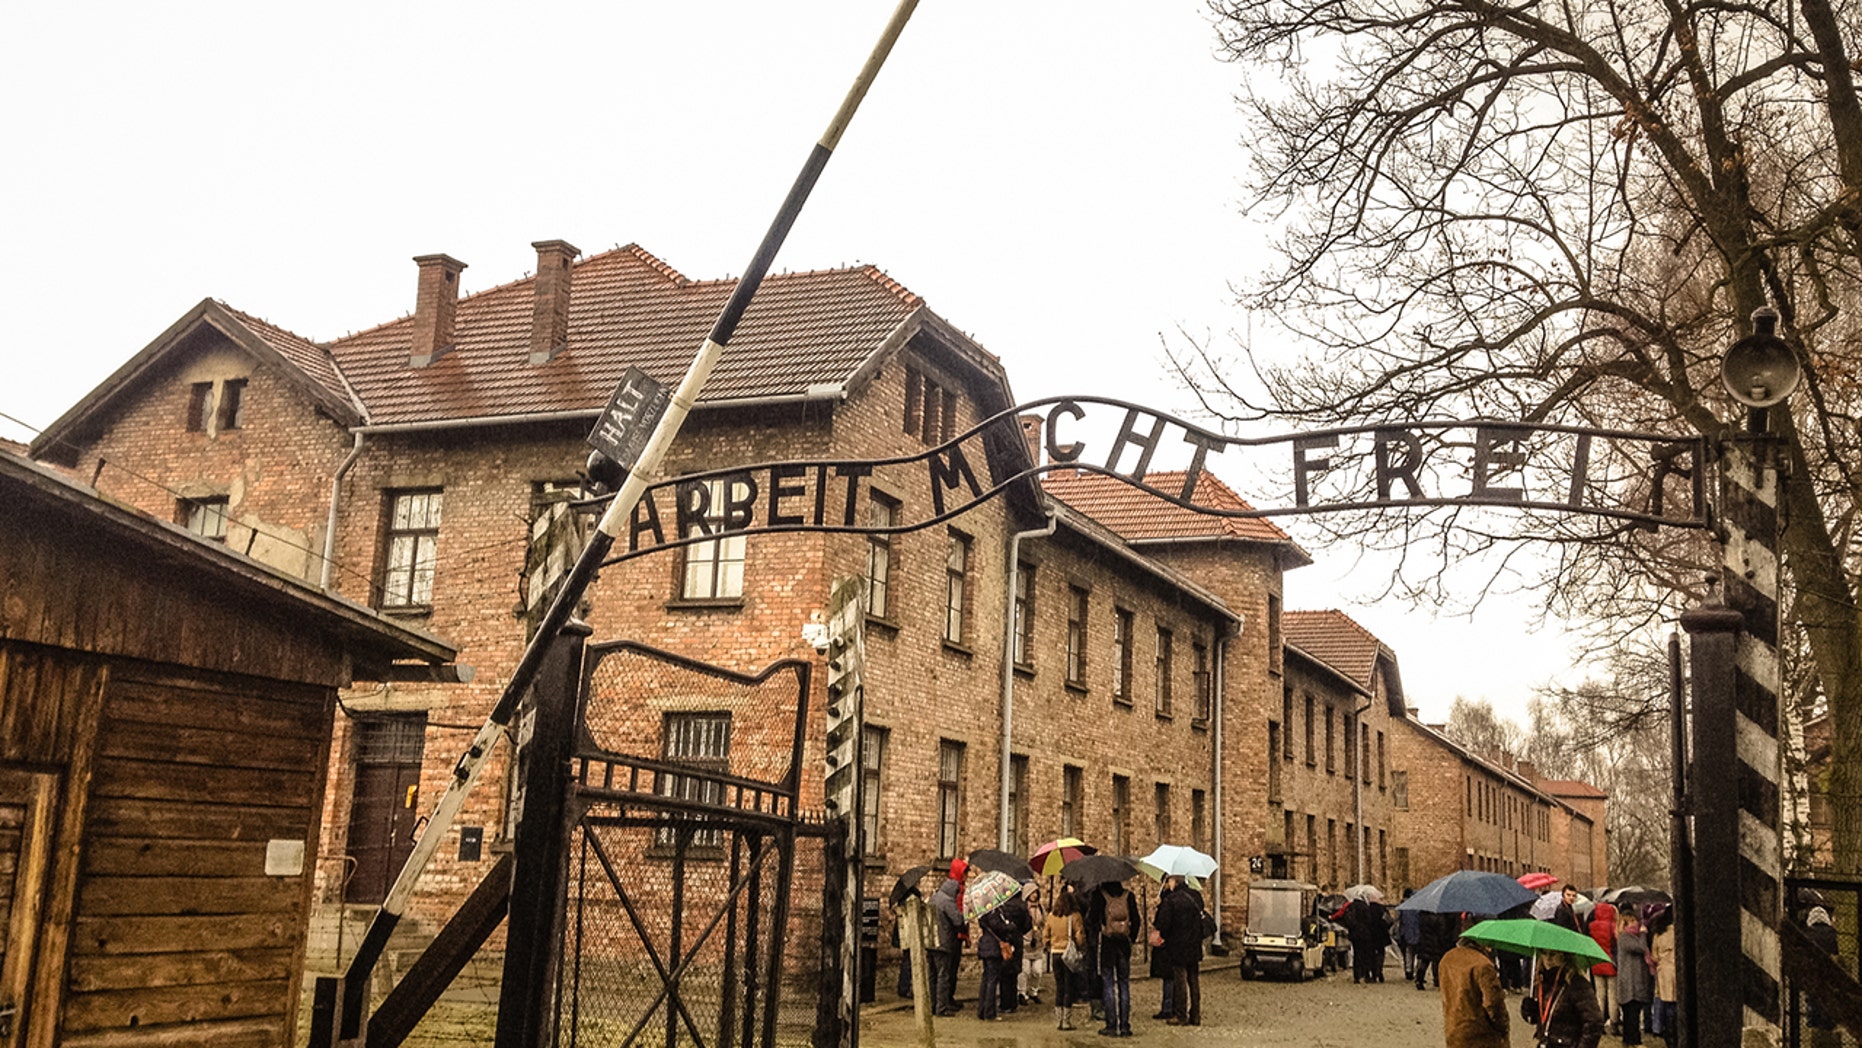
[(203, 517), (930, 409), (200, 395), (232, 403)]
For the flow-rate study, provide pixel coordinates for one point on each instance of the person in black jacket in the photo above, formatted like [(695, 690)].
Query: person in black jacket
[(1180, 922), (1562, 1005), (1011, 925), (1439, 931)]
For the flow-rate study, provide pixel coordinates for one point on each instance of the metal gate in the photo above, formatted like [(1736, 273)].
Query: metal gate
[(681, 886)]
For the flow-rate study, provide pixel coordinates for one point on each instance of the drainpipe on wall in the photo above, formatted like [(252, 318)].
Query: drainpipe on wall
[(1216, 882), (1008, 672), (329, 526), (1357, 790)]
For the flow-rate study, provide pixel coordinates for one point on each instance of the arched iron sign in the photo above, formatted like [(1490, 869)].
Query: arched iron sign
[(1516, 465)]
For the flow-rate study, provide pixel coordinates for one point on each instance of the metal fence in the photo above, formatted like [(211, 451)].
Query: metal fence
[(1804, 1024)]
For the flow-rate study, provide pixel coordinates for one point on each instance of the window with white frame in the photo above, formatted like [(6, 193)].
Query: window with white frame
[(956, 586), (872, 760), (1024, 614), (714, 568), (204, 517), (1076, 636), (1122, 621), (881, 512), (411, 549), (949, 797)]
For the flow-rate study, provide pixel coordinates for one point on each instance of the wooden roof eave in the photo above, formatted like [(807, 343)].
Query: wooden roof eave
[(374, 641)]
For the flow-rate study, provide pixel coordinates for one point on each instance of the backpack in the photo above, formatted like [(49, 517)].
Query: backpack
[(1118, 925)]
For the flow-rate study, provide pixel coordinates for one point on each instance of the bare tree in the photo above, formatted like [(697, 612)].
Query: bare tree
[(1474, 724), (1565, 212)]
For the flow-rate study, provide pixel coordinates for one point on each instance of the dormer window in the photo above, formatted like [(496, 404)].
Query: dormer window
[(232, 403), (199, 402), (930, 409)]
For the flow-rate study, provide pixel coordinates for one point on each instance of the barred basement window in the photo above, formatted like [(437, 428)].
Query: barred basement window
[(701, 741)]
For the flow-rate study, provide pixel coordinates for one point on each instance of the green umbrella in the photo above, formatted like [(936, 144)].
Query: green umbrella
[(1529, 937)]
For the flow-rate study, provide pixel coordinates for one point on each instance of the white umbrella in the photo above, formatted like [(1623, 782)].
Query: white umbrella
[(1365, 892), (1176, 860), (1545, 906)]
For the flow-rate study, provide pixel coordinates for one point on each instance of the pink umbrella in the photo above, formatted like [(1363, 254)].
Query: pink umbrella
[(1537, 881)]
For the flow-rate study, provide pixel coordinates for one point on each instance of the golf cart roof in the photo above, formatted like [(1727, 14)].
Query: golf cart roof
[(1279, 884)]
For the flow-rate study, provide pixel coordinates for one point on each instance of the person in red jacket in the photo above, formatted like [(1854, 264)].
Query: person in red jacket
[(1603, 976)]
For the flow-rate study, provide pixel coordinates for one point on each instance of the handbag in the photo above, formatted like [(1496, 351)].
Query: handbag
[(1074, 957)]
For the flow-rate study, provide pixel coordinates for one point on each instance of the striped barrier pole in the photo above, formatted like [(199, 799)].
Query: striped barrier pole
[(1738, 868), (645, 470)]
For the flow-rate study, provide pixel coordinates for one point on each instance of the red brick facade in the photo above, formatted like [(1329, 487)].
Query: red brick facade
[(923, 692)]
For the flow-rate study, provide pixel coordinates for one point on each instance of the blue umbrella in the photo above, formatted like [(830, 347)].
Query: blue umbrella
[(1469, 891)]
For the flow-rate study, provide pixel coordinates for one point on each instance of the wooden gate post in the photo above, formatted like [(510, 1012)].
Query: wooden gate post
[(526, 999)]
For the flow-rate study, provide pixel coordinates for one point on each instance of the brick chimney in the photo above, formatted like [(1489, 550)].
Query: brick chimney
[(1032, 433), (549, 320), (434, 302)]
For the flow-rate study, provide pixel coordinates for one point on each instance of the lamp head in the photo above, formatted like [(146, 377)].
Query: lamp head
[(1760, 370)]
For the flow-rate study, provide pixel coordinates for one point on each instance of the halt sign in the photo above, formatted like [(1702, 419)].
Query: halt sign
[(625, 424)]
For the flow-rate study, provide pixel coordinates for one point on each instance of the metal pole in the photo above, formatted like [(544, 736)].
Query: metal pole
[(1681, 848), (526, 1012), (472, 763)]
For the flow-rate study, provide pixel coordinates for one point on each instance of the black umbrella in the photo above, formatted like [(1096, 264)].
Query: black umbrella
[(1002, 862), (908, 883), (1635, 897), (1093, 870)]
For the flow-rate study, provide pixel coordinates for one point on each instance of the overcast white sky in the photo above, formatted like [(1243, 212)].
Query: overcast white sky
[(1061, 181)]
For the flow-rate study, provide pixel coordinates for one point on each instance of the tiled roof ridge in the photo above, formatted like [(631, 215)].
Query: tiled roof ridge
[(256, 320), (880, 277), (653, 261)]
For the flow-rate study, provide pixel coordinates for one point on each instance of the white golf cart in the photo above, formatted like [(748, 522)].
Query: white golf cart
[(1279, 941)]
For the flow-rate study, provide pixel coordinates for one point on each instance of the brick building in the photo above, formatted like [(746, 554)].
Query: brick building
[(1454, 809), (1329, 765), (425, 467)]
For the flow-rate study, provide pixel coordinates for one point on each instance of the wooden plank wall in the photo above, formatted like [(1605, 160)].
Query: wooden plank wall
[(179, 937), (67, 586)]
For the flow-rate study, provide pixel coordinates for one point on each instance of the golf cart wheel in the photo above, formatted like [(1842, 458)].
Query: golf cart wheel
[(1249, 970)]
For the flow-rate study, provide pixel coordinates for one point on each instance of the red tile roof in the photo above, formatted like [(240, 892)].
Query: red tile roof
[(1139, 516), (1572, 788), (627, 308), (1335, 639), (307, 356)]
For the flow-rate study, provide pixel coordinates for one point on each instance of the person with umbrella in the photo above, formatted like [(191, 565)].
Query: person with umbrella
[(1180, 922), (951, 931), (1634, 988), (1065, 932), (1115, 914), (1562, 1006), (1473, 1002)]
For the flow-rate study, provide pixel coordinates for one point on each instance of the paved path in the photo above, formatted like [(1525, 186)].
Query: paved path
[(1323, 1013)]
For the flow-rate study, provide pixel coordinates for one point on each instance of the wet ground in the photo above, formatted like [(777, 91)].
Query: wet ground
[(1323, 1013)]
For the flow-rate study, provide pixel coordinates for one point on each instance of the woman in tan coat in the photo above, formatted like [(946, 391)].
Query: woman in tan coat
[(1063, 926)]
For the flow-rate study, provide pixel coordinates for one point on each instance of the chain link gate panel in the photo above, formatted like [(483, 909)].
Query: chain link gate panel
[(682, 891)]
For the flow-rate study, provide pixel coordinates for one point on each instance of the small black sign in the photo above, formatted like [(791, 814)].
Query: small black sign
[(1256, 864), (471, 843), (622, 431)]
